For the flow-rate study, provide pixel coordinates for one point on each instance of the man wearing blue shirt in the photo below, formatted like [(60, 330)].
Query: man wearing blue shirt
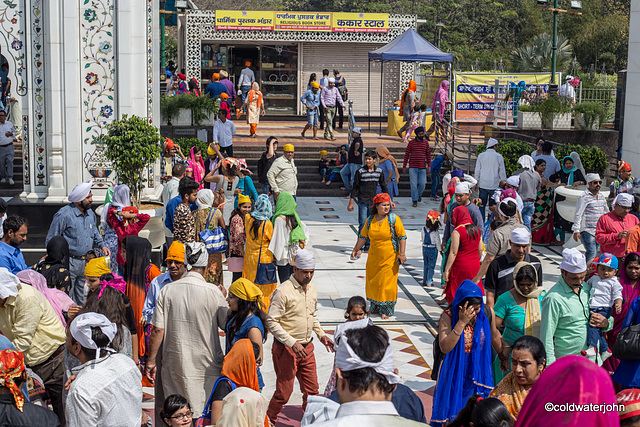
[(311, 100), (436, 165), (15, 233)]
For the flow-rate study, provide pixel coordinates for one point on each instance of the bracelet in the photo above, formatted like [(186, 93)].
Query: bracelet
[(456, 332)]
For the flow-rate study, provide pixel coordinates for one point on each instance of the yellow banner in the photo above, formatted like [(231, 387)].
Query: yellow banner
[(303, 21), (361, 22), (244, 20)]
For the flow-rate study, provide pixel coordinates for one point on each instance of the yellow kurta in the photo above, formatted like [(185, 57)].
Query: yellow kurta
[(253, 250), (382, 268)]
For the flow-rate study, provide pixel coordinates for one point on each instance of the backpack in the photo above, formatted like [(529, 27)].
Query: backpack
[(392, 225)]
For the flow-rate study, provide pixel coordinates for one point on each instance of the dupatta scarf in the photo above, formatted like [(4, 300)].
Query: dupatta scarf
[(255, 91), (441, 96), (533, 311), (197, 166), (464, 374)]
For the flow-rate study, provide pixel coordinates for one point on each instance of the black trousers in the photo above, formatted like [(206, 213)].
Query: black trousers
[(340, 113), (322, 116), (228, 150)]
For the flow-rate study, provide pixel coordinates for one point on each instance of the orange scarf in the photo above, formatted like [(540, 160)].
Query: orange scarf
[(252, 92), (240, 365), (511, 393)]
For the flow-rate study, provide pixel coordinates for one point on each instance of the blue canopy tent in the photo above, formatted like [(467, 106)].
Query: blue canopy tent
[(407, 47)]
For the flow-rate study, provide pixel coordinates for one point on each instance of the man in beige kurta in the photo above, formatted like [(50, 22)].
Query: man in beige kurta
[(186, 320)]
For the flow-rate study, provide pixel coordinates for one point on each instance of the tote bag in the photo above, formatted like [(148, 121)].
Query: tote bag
[(214, 240)]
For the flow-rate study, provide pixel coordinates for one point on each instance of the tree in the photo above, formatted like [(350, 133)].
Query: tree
[(536, 56)]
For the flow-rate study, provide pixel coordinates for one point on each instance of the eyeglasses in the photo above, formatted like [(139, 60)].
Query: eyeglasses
[(596, 182), (185, 416)]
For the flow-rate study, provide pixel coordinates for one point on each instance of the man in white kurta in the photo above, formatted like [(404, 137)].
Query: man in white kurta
[(186, 320)]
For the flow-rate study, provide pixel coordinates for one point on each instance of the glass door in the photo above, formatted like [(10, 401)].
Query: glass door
[(279, 71)]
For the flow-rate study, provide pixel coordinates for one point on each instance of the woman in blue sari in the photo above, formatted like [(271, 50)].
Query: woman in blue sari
[(466, 333), (628, 372)]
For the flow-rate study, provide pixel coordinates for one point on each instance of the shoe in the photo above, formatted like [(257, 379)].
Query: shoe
[(419, 199), (11, 182), (415, 204), (3, 181)]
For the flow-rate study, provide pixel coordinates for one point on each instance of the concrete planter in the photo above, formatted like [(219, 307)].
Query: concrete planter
[(567, 208), (182, 119), (581, 124), (208, 121), (557, 121), (529, 120)]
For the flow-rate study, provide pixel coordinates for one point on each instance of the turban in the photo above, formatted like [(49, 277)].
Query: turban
[(381, 198), (315, 85), (323, 152), (117, 283), (247, 64), (629, 401), (9, 283), (457, 173), (357, 130), (243, 199), (245, 289), (12, 366), (332, 80), (96, 267), (623, 166), (462, 188), (169, 144), (492, 142), (182, 76), (305, 260), (573, 261), (216, 76), (348, 360), (176, 252), (223, 95), (211, 151), (520, 236), (419, 129), (624, 200), (514, 181), (196, 255), (593, 177), (288, 147), (80, 191), (80, 330)]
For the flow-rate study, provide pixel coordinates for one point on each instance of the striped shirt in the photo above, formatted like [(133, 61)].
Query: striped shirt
[(418, 154), (588, 210), (365, 184)]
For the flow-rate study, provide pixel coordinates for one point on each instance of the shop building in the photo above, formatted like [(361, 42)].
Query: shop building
[(285, 48)]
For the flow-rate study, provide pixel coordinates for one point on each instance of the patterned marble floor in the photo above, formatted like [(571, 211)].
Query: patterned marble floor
[(413, 327)]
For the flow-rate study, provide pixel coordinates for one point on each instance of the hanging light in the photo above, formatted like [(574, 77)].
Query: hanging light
[(576, 4)]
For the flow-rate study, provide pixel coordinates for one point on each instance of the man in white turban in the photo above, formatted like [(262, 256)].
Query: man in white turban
[(590, 207), (187, 310), (489, 171), (77, 223), (291, 319), (612, 228)]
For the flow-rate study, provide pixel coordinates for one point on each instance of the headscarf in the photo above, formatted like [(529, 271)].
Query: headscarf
[(570, 379), (245, 289), (81, 330), (244, 168), (532, 312), (505, 201), (205, 199), (255, 91), (138, 259), (80, 191), (59, 300), (182, 76), (623, 199), (413, 86), (464, 374), (121, 198), (527, 162), (385, 154), (510, 392), (569, 171), (117, 283), (509, 193), (244, 407), (193, 87), (263, 209), (442, 96), (623, 166), (381, 198), (243, 198), (96, 267), (240, 365), (577, 162), (629, 400), (176, 252), (196, 255), (57, 259), (460, 217), (12, 366), (197, 166), (8, 283), (286, 206)]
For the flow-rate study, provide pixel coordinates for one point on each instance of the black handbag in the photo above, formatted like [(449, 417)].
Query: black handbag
[(627, 345), (266, 272)]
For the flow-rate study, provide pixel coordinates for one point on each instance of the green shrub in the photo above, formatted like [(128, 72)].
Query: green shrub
[(511, 152), (186, 144), (201, 107), (594, 160), (592, 111)]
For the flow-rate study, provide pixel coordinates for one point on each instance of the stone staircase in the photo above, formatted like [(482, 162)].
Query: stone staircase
[(7, 190)]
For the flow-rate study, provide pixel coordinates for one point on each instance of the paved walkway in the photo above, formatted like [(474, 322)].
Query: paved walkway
[(412, 329)]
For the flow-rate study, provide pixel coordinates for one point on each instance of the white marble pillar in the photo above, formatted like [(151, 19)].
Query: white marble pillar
[(631, 135)]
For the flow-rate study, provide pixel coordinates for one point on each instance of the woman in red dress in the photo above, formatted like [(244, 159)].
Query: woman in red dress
[(463, 261)]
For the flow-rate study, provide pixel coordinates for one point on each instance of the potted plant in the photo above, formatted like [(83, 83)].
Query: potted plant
[(528, 118), (590, 115), (131, 145), (186, 110), (555, 112)]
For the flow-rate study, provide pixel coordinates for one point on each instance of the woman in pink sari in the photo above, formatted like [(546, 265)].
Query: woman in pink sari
[(58, 299), (196, 164), (441, 97), (570, 379), (630, 281)]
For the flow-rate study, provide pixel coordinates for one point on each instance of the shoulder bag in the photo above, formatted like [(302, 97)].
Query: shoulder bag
[(266, 271), (627, 345), (205, 418), (216, 240)]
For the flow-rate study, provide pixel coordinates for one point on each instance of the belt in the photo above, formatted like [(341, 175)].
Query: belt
[(81, 258), (50, 358), (304, 345)]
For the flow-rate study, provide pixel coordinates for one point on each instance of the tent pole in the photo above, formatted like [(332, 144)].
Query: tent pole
[(369, 94), (381, 85)]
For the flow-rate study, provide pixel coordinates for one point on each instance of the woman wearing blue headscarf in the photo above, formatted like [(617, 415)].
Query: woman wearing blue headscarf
[(466, 333), (571, 174)]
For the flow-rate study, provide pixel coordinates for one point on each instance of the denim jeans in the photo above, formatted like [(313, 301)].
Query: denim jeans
[(528, 210), (590, 246), (245, 91), (595, 336), (363, 213), (312, 118), (484, 196), (435, 183), (429, 258), (348, 172), (417, 181)]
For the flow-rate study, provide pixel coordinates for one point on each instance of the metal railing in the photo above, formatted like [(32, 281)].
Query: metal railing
[(352, 121), (603, 95)]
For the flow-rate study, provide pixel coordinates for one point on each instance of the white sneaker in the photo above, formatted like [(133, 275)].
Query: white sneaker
[(3, 181), (11, 182)]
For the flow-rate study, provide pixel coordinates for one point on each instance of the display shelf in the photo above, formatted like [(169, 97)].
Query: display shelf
[(283, 96), (278, 83)]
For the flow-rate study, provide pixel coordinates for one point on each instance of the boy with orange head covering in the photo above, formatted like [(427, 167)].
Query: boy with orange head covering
[(625, 183)]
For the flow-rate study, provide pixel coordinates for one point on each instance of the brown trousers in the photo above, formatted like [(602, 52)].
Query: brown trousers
[(52, 373)]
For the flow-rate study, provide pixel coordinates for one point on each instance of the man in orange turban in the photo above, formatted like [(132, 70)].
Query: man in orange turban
[(215, 88), (171, 156), (244, 83), (625, 183)]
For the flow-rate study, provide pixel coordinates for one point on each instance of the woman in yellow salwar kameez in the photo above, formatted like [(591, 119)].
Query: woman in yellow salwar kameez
[(259, 230), (386, 253)]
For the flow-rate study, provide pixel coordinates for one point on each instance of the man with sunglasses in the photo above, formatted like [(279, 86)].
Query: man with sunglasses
[(590, 207)]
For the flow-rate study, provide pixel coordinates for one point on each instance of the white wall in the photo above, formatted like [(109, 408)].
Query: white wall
[(631, 141)]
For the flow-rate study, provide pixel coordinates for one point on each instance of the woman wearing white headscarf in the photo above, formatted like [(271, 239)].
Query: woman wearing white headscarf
[(243, 407), (208, 217), (577, 162), (121, 199)]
